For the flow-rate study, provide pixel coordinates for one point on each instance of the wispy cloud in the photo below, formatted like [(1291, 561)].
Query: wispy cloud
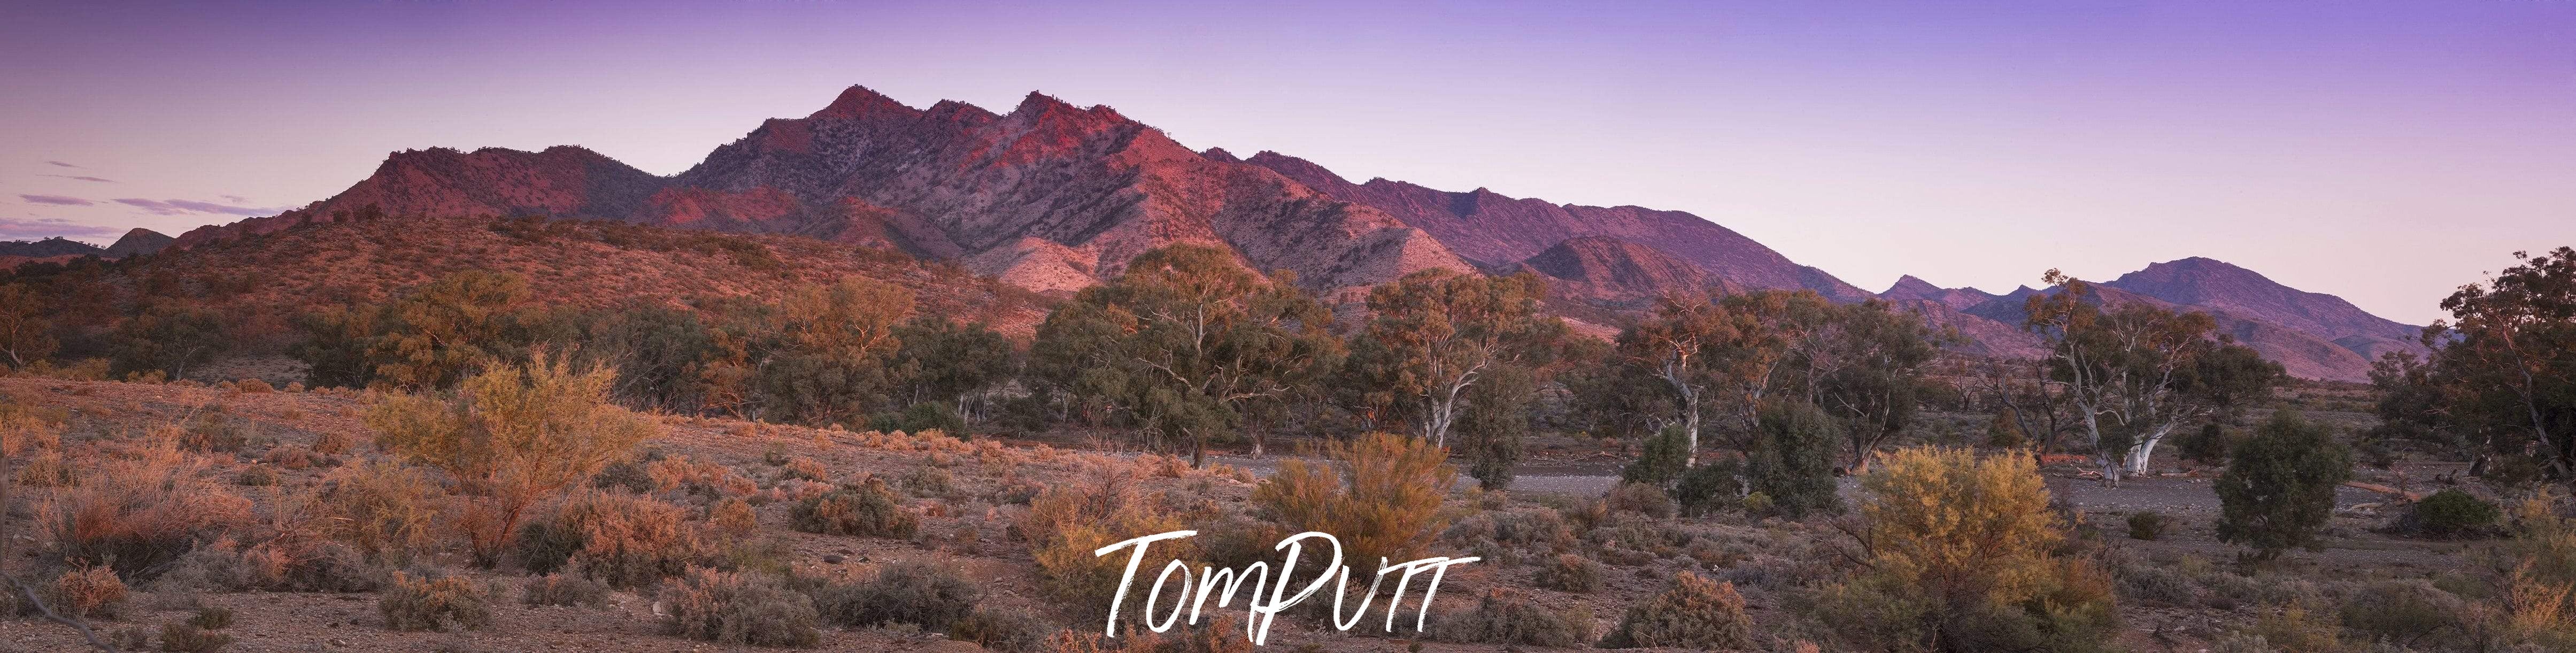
[(56, 200), (183, 207), (42, 228), (236, 199), (81, 178), (59, 163)]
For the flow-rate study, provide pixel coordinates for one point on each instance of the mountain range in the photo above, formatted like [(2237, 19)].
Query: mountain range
[(1051, 197), (135, 241)]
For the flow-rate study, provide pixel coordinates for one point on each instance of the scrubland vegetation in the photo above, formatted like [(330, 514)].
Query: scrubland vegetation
[(831, 465)]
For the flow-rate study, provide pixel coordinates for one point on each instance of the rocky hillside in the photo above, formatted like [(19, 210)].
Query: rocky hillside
[(1498, 231), (1049, 195), (137, 241), (58, 250), (268, 278)]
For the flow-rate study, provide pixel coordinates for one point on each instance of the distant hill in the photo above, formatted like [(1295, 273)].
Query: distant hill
[(138, 241), (49, 247)]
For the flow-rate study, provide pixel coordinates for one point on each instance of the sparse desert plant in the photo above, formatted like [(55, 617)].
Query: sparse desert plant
[(803, 468), (1570, 573), (867, 509), (1710, 487), (212, 617), (905, 592), (414, 603), (730, 608), (1640, 498), (1691, 612), (2147, 525), (187, 638), (334, 443), (733, 517), (513, 437), (562, 589), (1381, 496), (620, 539), (2279, 487), (385, 510), (138, 513), (1002, 629), (1665, 456), (255, 475), (2404, 611), (86, 592), (1509, 618), (1067, 522)]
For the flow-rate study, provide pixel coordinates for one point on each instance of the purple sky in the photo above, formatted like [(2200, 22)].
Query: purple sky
[(2385, 152)]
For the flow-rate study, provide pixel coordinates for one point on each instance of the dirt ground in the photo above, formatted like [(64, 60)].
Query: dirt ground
[(968, 530)]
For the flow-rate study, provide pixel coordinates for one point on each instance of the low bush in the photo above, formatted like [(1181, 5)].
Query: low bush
[(212, 617), (864, 510), (908, 592), (1570, 573), (1066, 522), (1692, 612), (2147, 525), (1509, 618), (87, 592), (563, 589), (185, 638), (2404, 611), (729, 608), (413, 604), (733, 518), (1381, 496), (1709, 488), (140, 513), (1640, 498), (2449, 514), (385, 510), (1002, 629)]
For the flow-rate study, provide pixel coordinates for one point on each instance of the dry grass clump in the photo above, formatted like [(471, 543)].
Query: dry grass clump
[(620, 539), (699, 477), (1641, 498), (46, 469), (562, 589), (334, 443), (1381, 496), (730, 608), (1509, 618), (904, 592), (867, 509), (1692, 612), (413, 604), (212, 617), (292, 457), (1002, 629), (140, 510), (805, 469)]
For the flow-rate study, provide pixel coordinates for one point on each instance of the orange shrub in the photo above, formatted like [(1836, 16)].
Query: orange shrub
[(137, 513), (1381, 496), (87, 592)]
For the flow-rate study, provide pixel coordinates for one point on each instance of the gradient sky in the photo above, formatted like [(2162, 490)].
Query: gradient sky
[(2384, 152)]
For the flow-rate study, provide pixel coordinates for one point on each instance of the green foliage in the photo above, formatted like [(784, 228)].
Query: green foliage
[(924, 416), (169, 337), (26, 330), (2504, 372), (1665, 457), (827, 356), (1879, 381), (1692, 612), (1793, 459), (1186, 346), (435, 337), (2208, 444), (1497, 417), (2147, 525), (1436, 334), (1709, 487), (2451, 513), (945, 362), (2279, 488), (1570, 573)]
